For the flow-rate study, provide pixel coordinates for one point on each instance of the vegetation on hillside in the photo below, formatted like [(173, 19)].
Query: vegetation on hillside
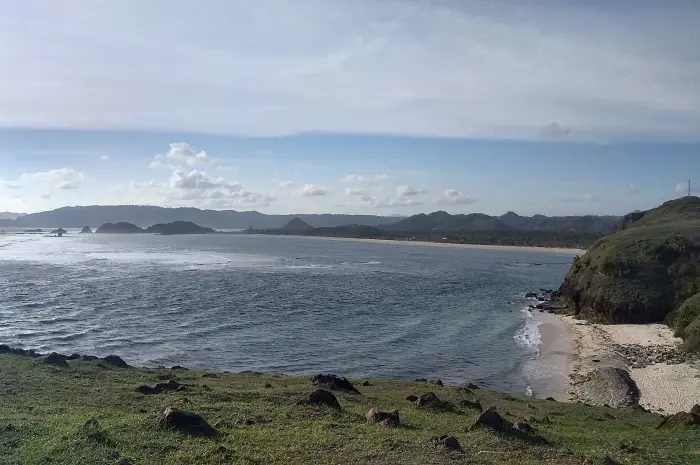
[(644, 272), (91, 412)]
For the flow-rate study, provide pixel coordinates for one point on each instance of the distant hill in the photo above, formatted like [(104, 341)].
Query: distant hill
[(119, 228), (647, 271), (141, 215), (179, 227), (297, 225), (9, 215), (441, 221)]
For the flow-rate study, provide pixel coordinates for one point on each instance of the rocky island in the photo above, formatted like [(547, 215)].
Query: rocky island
[(86, 230), (119, 228), (174, 228)]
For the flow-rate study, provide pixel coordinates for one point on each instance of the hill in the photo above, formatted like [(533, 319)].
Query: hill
[(444, 222), (119, 228), (647, 271), (143, 215), (179, 227), (9, 215), (297, 225), (91, 411)]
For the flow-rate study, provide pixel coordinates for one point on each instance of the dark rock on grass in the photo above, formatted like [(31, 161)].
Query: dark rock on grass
[(321, 397), (450, 443), (89, 358), (160, 388), (5, 349), (186, 422), (474, 405), (437, 382), (210, 375), (608, 461), (56, 360), (385, 418), (421, 380), (695, 409), (680, 418), (493, 420), (525, 427), (551, 399), (179, 368), (472, 386), (334, 383), (74, 356), (430, 400), (116, 361), (366, 384), (268, 386), (412, 398)]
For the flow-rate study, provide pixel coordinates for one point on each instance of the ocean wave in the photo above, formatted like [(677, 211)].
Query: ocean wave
[(372, 263), (528, 335)]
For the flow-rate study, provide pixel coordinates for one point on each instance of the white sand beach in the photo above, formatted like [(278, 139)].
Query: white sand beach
[(561, 250), (664, 387)]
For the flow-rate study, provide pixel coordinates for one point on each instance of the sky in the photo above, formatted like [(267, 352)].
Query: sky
[(371, 106)]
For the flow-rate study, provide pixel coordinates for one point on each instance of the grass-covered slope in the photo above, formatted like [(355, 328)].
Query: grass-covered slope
[(644, 271), (90, 413)]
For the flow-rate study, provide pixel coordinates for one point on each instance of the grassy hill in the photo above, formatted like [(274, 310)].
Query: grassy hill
[(648, 271), (89, 412)]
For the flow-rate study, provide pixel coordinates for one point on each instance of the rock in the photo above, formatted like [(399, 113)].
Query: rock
[(430, 400), (322, 397), (437, 382), (475, 405), (4, 349), (366, 384), (56, 360), (86, 230), (493, 420), (609, 461), (179, 228), (116, 361), (472, 386), (551, 399), (421, 380), (450, 443), (179, 368), (375, 416), (530, 295), (334, 383), (695, 409), (680, 418), (412, 398), (524, 427), (159, 388), (389, 422), (89, 358), (73, 356), (210, 375), (268, 386), (187, 422)]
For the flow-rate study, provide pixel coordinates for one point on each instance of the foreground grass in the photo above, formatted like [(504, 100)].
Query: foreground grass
[(44, 413)]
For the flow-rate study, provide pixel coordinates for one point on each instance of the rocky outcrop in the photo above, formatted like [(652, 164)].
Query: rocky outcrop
[(56, 360), (321, 397), (386, 418), (119, 228), (606, 386), (86, 230), (334, 383)]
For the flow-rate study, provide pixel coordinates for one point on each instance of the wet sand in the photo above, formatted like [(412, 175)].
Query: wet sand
[(550, 376)]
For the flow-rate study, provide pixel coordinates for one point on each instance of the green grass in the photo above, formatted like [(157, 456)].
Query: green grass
[(91, 414)]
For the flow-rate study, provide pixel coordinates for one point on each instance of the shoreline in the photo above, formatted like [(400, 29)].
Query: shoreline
[(666, 381), (524, 248), (551, 366)]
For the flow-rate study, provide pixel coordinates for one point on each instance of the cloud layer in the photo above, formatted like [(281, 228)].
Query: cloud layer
[(440, 68)]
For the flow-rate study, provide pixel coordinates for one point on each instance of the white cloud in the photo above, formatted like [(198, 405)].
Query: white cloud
[(408, 191), (311, 190), (104, 157), (585, 198), (682, 187), (442, 68), (199, 180), (632, 189), (288, 184), (64, 178), (353, 178), (380, 177), (356, 191), (396, 202), (455, 197), (182, 152)]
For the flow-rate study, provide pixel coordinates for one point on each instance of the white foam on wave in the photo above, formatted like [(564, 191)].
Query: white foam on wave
[(372, 263), (528, 335)]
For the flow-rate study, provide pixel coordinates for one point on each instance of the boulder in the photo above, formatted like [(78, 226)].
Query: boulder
[(608, 461), (450, 443), (437, 382), (389, 418), (186, 422), (268, 386), (179, 368), (472, 386), (412, 398), (334, 383), (430, 400), (56, 360), (322, 397), (159, 388), (493, 420), (116, 361), (89, 358), (695, 409), (680, 418), (74, 356)]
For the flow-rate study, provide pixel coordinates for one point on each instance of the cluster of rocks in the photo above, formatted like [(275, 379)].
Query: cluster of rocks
[(548, 300), (638, 356), (62, 360)]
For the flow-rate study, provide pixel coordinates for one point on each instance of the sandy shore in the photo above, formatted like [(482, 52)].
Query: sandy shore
[(462, 246), (549, 376), (663, 387)]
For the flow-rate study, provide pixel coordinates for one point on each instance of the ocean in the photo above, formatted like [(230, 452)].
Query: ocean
[(281, 304)]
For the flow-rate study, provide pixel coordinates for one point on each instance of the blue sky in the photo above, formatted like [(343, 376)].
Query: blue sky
[(391, 107)]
